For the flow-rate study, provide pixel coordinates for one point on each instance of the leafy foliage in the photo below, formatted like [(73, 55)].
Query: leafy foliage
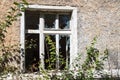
[(7, 50), (92, 64), (52, 53), (11, 17)]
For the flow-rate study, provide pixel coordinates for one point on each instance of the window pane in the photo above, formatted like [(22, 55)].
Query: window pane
[(50, 20), (64, 51), (31, 20), (31, 52), (64, 21), (50, 52)]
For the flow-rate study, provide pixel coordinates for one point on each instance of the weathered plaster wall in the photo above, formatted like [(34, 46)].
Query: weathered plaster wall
[(99, 18)]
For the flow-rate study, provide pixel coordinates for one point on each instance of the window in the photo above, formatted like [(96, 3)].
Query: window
[(49, 37)]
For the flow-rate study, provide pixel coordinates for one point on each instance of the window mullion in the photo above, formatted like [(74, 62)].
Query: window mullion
[(41, 38), (57, 21), (57, 51), (57, 41)]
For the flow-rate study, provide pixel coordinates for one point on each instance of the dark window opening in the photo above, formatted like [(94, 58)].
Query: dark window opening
[(56, 45), (31, 20), (64, 21), (50, 20), (64, 51), (31, 52)]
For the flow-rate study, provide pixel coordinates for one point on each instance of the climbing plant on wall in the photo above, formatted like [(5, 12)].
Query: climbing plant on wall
[(6, 50)]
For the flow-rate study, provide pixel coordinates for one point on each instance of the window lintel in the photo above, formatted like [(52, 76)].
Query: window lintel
[(51, 8)]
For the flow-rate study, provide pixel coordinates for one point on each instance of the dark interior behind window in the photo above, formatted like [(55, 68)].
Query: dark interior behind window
[(32, 19), (31, 52)]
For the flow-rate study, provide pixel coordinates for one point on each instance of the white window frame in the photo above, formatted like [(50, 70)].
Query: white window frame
[(72, 32)]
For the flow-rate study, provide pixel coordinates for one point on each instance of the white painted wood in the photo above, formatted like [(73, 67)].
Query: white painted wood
[(57, 32), (57, 22), (74, 43), (55, 8), (41, 38), (72, 31), (22, 41), (32, 31), (57, 41), (57, 51)]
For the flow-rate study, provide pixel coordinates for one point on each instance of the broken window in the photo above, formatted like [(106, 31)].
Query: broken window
[(64, 21), (61, 59), (47, 39)]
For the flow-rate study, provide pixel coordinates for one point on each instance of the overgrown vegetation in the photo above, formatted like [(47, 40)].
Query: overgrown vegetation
[(51, 61), (91, 67), (7, 50), (52, 57), (93, 64)]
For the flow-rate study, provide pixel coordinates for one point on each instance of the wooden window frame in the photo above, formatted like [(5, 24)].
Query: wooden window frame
[(41, 31)]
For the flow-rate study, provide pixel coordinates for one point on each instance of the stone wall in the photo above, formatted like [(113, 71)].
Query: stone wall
[(99, 18)]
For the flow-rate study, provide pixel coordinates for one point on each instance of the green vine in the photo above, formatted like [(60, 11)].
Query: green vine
[(93, 63), (11, 17), (51, 61), (7, 50)]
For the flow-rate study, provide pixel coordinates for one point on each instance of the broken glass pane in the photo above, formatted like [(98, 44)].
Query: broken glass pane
[(64, 51), (50, 20), (31, 52), (64, 21)]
